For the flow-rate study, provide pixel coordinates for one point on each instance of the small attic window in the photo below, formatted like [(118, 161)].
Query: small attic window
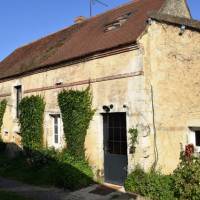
[(117, 23)]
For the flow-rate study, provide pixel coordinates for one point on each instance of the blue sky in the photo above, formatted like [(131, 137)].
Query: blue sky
[(22, 21)]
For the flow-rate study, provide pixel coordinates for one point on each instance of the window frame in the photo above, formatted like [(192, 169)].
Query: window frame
[(192, 137), (59, 129), (18, 98)]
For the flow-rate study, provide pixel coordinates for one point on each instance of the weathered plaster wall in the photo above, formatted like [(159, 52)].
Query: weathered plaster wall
[(177, 8), (127, 91), (171, 66)]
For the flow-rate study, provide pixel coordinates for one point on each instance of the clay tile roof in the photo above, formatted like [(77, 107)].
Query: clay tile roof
[(80, 40)]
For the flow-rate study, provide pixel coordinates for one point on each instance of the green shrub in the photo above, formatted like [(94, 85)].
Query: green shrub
[(59, 169), (187, 178), (152, 184), (77, 112), (31, 121), (72, 172), (37, 158)]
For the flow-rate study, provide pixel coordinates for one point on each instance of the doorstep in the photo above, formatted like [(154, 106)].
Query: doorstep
[(118, 188)]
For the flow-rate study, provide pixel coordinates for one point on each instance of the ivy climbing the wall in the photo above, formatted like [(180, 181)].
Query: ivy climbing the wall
[(3, 104), (133, 138), (31, 121), (77, 112)]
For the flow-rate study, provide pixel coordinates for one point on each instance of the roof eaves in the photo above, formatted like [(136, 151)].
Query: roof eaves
[(98, 54), (189, 23)]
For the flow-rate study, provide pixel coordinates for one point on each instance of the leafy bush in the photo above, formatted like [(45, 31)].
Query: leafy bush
[(31, 121), (152, 184), (48, 167), (77, 112), (72, 172), (187, 176), (38, 158)]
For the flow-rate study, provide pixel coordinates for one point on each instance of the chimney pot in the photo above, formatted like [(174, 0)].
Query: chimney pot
[(79, 19)]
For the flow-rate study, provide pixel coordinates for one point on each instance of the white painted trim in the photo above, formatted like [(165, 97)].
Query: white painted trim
[(192, 137), (52, 116)]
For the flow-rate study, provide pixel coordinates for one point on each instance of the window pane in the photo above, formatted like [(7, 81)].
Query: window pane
[(110, 147), (56, 139), (117, 134), (56, 129), (116, 148), (197, 133), (111, 136), (123, 148), (123, 134)]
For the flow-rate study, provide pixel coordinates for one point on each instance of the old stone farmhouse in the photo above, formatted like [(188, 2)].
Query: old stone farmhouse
[(142, 63)]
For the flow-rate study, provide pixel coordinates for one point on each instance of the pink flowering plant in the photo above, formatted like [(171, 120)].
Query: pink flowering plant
[(187, 175)]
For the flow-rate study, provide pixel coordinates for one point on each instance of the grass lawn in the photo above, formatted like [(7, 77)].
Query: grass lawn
[(10, 196)]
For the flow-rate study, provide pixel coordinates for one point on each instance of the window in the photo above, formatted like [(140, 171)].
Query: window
[(56, 128), (56, 134), (197, 138), (194, 137), (18, 97), (118, 22)]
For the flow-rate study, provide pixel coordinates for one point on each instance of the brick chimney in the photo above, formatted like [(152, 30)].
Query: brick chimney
[(79, 19), (178, 8)]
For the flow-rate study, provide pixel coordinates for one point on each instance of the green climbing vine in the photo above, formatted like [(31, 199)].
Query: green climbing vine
[(133, 138), (31, 121), (3, 104), (77, 112)]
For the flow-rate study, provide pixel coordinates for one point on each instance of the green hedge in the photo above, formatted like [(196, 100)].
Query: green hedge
[(31, 121), (77, 112)]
